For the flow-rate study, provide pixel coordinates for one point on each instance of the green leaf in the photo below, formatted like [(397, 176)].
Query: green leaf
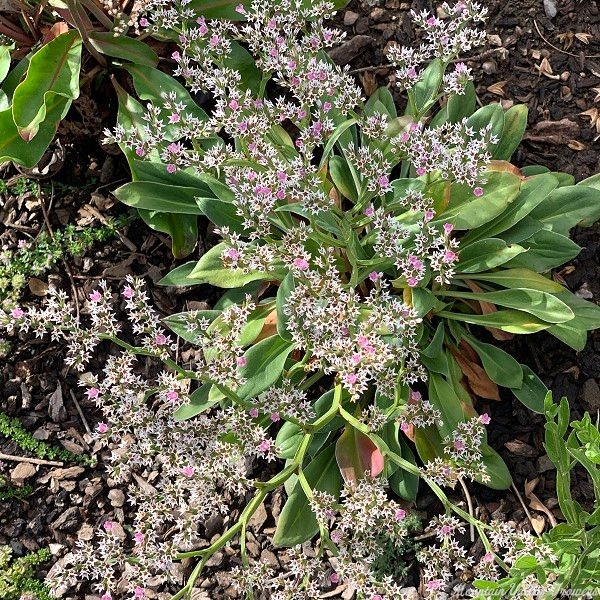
[(540, 304), (160, 197), (426, 89), (14, 148), (286, 287), (199, 402), (486, 115), (381, 101), (401, 482), (532, 391), (183, 229), (428, 443), (356, 454), (297, 523), (512, 321), (461, 106), (178, 323), (264, 364), (444, 398), (486, 254), (587, 318), (545, 250), (53, 71), (532, 193), (569, 206), (520, 278), (515, 123), (240, 60), (210, 269), (218, 9), (5, 50), (499, 191), (180, 276), (500, 366), (342, 177), (500, 478), (123, 47)]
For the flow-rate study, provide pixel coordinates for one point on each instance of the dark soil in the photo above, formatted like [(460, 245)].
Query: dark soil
[(531, 59)]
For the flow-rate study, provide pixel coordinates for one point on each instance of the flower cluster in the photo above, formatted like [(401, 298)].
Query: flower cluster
[(444, 38)]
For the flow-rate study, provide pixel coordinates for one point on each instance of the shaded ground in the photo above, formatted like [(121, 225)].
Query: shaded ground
[(527, 61)]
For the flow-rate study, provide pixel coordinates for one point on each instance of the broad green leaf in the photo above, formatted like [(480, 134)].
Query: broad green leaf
[(160, 197), (545, 250), (425, 90), (572, 333), (492, 114), (486, 254), (499, 191), (14, 148), (218, 9), (342, 177), (512, 321), (183, 229), (523, 230), (587, 318), (356, 454), (381, 101), (210, 269), (515, 123), (264, 364), (297, 523), (180, 276), (5, 50), (461, 106), (500, 478), (401, 482), (540, 304), (199, 402), (123, 47), (178, 323), (533, 192), (285, 289), (15, 76), (567, 207), (53, 71), (532, 391), (443, 397), (428, 443), (433, 356), (500, 366), (243, 62), (520, 278)]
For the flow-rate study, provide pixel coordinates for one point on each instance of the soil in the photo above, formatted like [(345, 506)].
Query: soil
[(550, 63)]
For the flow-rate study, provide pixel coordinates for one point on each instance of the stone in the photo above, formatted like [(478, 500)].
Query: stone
[(349, 50), (544, 464), (350, 17), (409, 593), (86, 532), (56, 407), (62, 473), (590, 395), (258, 518), (68, 520), (213, 525), (22, 472), (116, 497), (267, 557)]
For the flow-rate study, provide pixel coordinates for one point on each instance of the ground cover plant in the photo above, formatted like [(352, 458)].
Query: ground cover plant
[(363, 255)]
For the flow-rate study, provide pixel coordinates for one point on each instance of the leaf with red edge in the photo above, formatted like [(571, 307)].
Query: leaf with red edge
[(355, 454)]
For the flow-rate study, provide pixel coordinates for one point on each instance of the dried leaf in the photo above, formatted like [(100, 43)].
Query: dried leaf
[(545, 68), (38, 287), (553, 132), (584, 37), (497, 88), (269, 327), (576, 145), (538, 523), (520, 448), (477, 378), (534, 501), (594, 116), (597, 97)]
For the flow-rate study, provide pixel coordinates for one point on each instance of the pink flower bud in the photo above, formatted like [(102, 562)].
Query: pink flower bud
[(374, 276), (241, 361), (448, 227), (102, 428), (300, 264), (334, 578), (188, 471), (253, 412), (175, 118), (265, 445), (95, 296), (478, 191), (16, 313), (400, 514), (171, 168), (160, 339), (143, 23), (93, 393), (172, 395), (275, 417), (138, 537), (128, 292), (108, 525), (138, 592), (106, 595), (485, 419)]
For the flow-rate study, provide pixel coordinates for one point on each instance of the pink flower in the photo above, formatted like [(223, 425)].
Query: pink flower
[(188, 471), (421, 171), (404, 426), (412, 281), (374, 276), (234, 104), (351, 378), (93, 393), (143, 23), (485, 419), (174, 148), (478, 191), (95, 296), (108, 525), (241, 361), (107, 596), (139, 151), (326, 106), (253, 412), (240, 9), (265, 445), (233, 254), (449, 256), (172, 395), (171, 168), (138, 537), (429, 214), (128, 292), (138, 592), (369, 211), (334, 578), (160, 339), (275, 417), (459, 445), (356, 358), (102, 428), (487, 557), (415, 396), (448, 227), (176, 55), (434, 584), (16, 313), (400, 514), (175, 118), (300, 264)]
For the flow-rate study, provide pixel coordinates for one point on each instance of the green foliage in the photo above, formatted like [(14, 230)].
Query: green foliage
[(7, 491), (13, 429), (17, 576), (574, 544)]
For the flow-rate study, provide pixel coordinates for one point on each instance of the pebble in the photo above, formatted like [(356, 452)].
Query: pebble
[(350, 17), (213, 526), (56, 407), (267, 557), (409, 593), (116, 497), (590, 395), (68, 520), (22, 472)]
